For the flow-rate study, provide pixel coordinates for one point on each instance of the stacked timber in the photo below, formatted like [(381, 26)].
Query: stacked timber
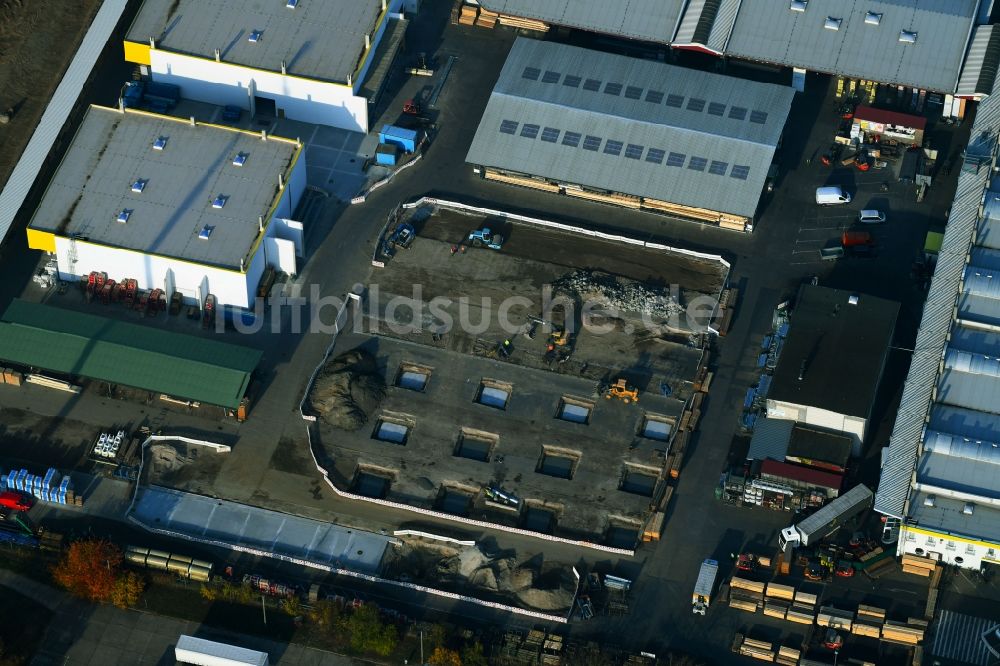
[(918, 566), (778, 591), (868, 621), (788, 656), (776, 608), (835, 618), (523, 23), (487, 19), (734, 222), (653, 527), (902, 633), (523, 181), (703, 380), (468, 15), (803, 608), (745, 594), (757, 649), (615, 199)]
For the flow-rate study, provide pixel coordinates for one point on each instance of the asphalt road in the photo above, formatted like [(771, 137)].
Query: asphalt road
[(767, 266)]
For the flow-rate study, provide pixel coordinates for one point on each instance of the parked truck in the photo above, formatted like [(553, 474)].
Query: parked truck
[(702, 595), (827, 520), (158, 97)]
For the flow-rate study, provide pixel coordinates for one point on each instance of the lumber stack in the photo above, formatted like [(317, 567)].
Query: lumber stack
[(757, 649), (653, 527), (776, 608), (487, 19), (867, 626), (778, 600), (746, 594), (523, 23), (788, 656), (468, 15), (803, 608), (902, 633), (615, 199), (491, 174), (918, 566), (778, 591), (835, 618)]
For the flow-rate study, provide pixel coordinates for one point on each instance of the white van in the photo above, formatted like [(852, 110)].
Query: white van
[(831, 196)]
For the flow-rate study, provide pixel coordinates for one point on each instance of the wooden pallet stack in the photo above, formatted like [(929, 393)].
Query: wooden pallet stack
[(835, 618), (746, 594), (803, 608), (552, 650), (468, 15), (523, 23), (727, 305), (788, 656), (903, 633), (762, 650), (869, 621), (695, 410), (487, 19), (778, 599), (918, 566), (654, 526), (703, 380)]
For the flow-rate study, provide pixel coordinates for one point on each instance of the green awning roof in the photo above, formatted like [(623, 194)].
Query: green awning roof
[(932, 244), (142, 357)]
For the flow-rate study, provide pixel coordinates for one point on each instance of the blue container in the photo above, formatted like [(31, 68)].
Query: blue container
[(399, 136), (387, 154)]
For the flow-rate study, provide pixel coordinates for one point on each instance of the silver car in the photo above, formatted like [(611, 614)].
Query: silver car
[(871, 217)]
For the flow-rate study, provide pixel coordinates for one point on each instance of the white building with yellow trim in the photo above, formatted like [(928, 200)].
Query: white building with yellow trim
[(304, 60), (176, 205)]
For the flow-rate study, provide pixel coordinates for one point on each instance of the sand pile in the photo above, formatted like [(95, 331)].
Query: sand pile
[(347, 390)]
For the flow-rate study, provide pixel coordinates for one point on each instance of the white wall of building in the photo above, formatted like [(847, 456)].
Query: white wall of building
[(822, 418), (949, 549), (310, 101)]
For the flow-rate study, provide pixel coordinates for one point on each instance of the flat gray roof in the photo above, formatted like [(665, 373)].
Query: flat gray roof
[(111, 151), (319, 40), (947, 516), (647, 20), (632, 126), (770, 31), (210, 519)]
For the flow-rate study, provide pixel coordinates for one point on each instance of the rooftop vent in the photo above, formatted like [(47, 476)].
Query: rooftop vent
[(240, 159), (907, 37), (853, 299), (871, 18), (798, 5), (139, 185), (291, 4), (205, 232), (832, 23), (124, 215), (255, 36), (220, 201), (160, 143), (968, 508), (929, 501)]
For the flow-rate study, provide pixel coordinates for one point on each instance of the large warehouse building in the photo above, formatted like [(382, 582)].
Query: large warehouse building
[(832, 360), (940, 480), (912, 43), (176, 206), (303, 60), (631, 132)]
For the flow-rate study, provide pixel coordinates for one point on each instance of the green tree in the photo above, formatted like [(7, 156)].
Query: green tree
[(368, 633), (324, 614), (127, 589), (472, 655)]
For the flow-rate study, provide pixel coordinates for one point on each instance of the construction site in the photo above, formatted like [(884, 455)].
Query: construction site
[(539, 379)]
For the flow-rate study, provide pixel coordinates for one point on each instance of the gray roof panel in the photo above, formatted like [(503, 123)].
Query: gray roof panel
[(946, 516), (647, 20), (981, 63), (747, 147), (958, 638), (769, 31), (771, 438), (112, 150), (320, 40)]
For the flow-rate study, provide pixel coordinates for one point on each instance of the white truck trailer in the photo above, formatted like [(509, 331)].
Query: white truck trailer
[(702, 595), (827, 520), (201, 652)]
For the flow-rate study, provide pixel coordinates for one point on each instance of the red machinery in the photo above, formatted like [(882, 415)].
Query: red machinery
[(157, 302), (131, 286), (106, 291), (208, 314), (142, 298), (746, 562), (412, 107)]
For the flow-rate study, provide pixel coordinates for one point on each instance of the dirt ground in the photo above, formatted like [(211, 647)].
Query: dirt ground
[(28, 439), (37, 43)]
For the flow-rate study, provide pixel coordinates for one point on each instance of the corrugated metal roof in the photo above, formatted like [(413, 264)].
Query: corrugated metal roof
[(62, 102), (804, 474), (958, 637), (647, 20), (632, 126), (321, 40), (152, 359), (770, 31), (770, 439), (981, 63), (989, 228), (904, 443)]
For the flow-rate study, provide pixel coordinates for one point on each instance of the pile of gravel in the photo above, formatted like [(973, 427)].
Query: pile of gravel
[(618, 294), (347, 390)]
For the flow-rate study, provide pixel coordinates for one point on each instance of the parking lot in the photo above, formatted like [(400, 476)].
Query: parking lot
[(270, 466)]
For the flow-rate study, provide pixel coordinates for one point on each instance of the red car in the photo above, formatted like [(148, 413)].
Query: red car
[(12, 499)]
